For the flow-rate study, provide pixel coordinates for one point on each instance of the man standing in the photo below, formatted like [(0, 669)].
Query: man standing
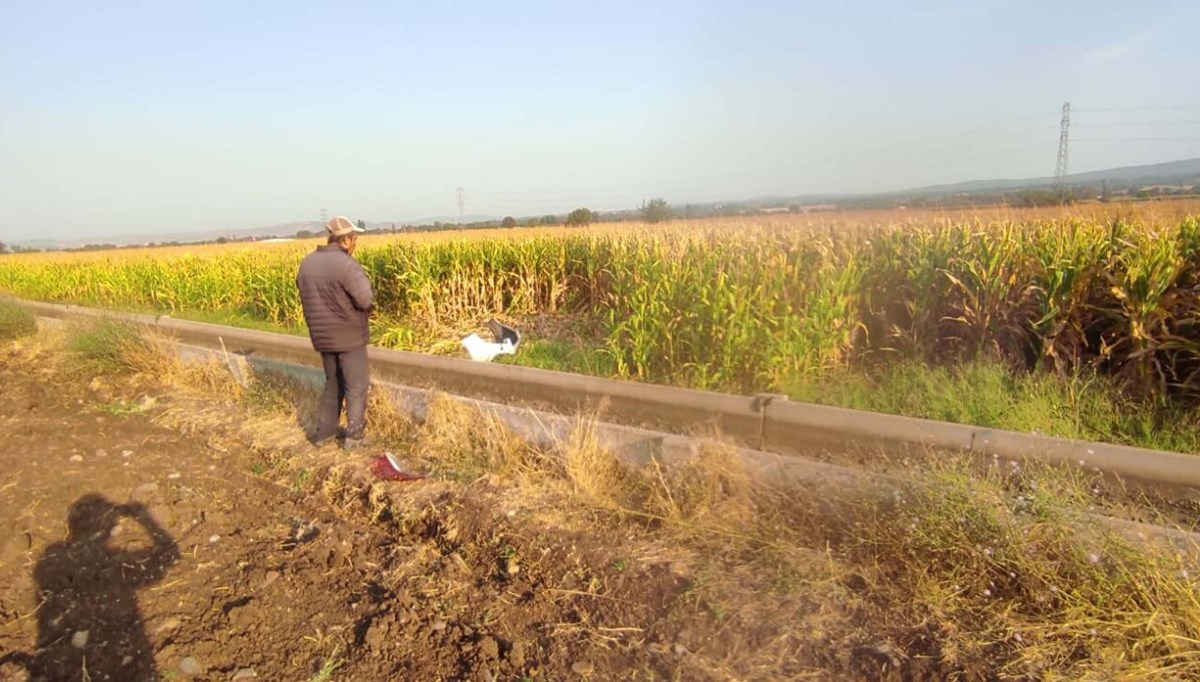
[(337, 298)]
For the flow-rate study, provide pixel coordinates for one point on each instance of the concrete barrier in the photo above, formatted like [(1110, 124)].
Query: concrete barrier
[(789, 423), (548, 431), (765, 422)]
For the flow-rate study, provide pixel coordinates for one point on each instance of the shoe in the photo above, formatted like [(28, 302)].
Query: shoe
[(349, 444)]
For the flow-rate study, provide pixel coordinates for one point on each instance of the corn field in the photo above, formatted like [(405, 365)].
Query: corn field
[(737, 306)]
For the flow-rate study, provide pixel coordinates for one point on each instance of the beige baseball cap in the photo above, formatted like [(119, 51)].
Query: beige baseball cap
[(340, 225)]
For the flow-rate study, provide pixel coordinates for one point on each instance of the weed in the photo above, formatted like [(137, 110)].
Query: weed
[(328, 667), (263, 397), (120, 408), (274, 391), (15, 321), (302, 479), (108, 346), (566, 356)]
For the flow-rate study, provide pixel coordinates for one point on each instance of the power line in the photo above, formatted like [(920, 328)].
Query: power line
[(1112, 124), (830, 160), (462, 202), (1136, 139), (1174, 107), (720, 187), (896, 147)]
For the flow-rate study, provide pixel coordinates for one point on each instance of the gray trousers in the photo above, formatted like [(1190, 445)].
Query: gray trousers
[(346, 379)]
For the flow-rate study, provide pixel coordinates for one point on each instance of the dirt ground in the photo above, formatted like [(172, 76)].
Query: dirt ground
[(128, 550), (134, 551), (152, 530)]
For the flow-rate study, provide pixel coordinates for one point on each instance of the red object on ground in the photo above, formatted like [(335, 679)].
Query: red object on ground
[(385, 468)]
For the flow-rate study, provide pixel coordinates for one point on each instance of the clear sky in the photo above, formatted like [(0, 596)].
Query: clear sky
[(175, 115)]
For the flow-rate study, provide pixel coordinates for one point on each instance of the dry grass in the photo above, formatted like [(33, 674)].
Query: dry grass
[(593, 473), (465, 443), (386, 424), (960, 572)]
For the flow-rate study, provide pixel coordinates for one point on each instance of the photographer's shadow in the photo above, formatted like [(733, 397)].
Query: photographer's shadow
[(89, 624)]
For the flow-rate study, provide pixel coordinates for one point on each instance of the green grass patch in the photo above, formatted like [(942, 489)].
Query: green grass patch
[(239, 318), (328, 667), (15, 321), (230, 317), (266, 396), (275, 391), (564, 356), (992, 395), (109, 346), (302, 478), (120, 408)]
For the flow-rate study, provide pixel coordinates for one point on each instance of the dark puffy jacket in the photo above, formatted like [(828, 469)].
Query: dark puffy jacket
[(337, 297)]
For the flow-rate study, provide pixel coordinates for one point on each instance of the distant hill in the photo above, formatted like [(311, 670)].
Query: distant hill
[(1185, 172), (277, 230), (1158, 173), (35, 243)]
